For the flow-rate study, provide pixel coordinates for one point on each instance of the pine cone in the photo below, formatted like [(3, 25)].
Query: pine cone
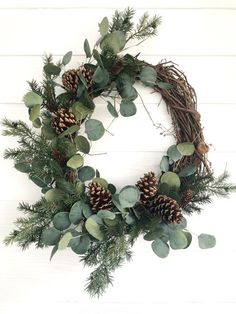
[(147, 186), (186, 197), (70, 79), (99, 198), (56, 154), (168, 209), (62, 120)]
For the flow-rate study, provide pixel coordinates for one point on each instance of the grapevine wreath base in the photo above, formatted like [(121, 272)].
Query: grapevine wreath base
[(79, 209)]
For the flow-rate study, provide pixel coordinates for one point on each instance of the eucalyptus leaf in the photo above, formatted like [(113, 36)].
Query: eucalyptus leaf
[(112, 110), (178, 240), (75, 162), (80, 110), (48, 132), (106, 214), (111, 188), (115, 41), (98, 58), (52, 69), (80, 245), (189, 238), (127, 108), (61, 221), (86, 173), (164, 85), (206, 241), (76, 212), (148, 76), (160, 248), (164, 165), (101, 76), (37, 123), (87, 49), (186, 148), (94, 129), (54, 195), (67, 58), (116, 202), (87, 212), (32, 99), (34, 113), (171, 179), (82, 144), (38, 181), (130, 219), (51, 236), (72, 129), (104, 26), (187, 171), (54, 250), (93, 228), (173, 153), (63, 243), (129, 196)]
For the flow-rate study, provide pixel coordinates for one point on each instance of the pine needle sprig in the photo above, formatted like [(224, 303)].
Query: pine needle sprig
[(122, 21)]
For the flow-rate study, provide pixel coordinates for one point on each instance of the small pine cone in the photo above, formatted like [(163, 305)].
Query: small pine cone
[(88, 75), (147, 186), (70, 80), (63, 119), (56, 155), (168, 209), (99, 198), (186, 197)]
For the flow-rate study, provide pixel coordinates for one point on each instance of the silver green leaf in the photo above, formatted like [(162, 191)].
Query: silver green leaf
[(32, 99), (148, 76), (129, 196), (75, 162), (94, 129), (160, 248), (67, 58), (206, 241), (186, 148)]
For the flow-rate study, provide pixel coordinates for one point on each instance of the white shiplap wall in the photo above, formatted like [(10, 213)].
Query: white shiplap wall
[(199, 35)]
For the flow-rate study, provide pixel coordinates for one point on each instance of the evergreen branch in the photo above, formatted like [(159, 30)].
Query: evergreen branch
[(147, 27), (34, 86), (122, 21), (108, 256)]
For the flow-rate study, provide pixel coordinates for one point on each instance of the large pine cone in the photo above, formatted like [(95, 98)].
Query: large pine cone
[(168, 209), (71, 79), (147, 185), (99, 198), (62, 120)]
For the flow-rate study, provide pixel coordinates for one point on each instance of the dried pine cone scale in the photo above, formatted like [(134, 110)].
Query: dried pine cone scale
[(62, 120), (168, 209), (147, 185), (99, 198)]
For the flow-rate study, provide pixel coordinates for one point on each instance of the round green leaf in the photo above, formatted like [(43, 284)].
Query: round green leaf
[(51, 236), (188, 237), (129, 196), (164, 165), (173, 153), (94, 129), (127, 108), (106, 214), (178, 240), (112, 110), (86, 173), (171, 179), (32, 99), (114, 41), (61, 221), (66, 148), (76, 213), (148, 76), (80, 111), (206, 241), (72, 129), (54, 195), (67, 58), (52, 69), (164, 85), (64, 241), (101, 76), (82, 144), (75, 162), (101, 182), (186, 149), (160, 248), (188, 171), (111, 188), (93, 228), (80, 245), (34, 113), (37, 123), (87, 212), (126, 89)]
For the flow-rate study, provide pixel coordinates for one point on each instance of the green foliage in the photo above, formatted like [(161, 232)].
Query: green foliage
[(94, 129), (67, 58), (122, 21), (171, 179), (206, 241)]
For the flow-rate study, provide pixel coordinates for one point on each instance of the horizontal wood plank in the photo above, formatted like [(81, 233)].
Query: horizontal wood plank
[(182, 32)]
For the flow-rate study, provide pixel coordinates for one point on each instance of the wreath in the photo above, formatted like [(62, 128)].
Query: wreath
[(81, 210)]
